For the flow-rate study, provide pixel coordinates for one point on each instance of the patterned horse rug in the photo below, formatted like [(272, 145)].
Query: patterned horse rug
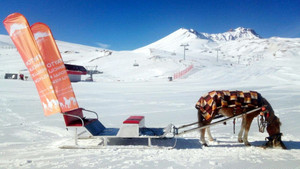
[(214, 100)]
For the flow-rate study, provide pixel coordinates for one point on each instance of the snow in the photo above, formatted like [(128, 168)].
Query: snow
[(269, 66)]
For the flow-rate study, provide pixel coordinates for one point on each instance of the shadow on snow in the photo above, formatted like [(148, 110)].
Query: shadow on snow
[(176, 143)]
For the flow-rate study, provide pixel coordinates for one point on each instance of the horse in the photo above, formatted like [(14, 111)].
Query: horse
[(230, 103)]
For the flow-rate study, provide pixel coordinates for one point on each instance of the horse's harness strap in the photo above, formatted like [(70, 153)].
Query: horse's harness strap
[(235, 107), (263, 119), (234, 113)]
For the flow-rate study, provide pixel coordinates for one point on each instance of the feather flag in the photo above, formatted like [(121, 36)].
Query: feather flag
[(18, 28), (55, 66)]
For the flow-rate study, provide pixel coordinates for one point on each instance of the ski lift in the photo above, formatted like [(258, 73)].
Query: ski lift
[(92, 70)]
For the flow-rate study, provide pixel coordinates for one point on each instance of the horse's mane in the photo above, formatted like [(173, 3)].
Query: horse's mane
[(268, 106)]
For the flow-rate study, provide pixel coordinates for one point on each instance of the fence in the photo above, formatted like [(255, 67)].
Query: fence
[(7, 47), (183, 72)]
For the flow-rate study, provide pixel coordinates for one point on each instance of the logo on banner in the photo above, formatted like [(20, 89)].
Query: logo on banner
[(51, 104), (40, 35), (16, 27), (68, 102)]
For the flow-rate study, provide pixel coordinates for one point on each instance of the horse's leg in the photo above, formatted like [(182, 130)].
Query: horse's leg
[(209, 134), (240, 139), (248, 120), (202, 131), (202, 137)]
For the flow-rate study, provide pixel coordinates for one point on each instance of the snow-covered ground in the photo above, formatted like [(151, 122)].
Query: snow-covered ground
[(28, 139)]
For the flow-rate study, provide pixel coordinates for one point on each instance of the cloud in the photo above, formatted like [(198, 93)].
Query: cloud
[(103, 45)]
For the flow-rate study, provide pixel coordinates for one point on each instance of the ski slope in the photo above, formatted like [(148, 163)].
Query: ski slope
[(269, 66)]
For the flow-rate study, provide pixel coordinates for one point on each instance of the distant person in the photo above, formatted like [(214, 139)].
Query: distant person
[(22, 76)]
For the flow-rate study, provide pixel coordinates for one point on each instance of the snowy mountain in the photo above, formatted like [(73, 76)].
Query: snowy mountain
[(183, 35)]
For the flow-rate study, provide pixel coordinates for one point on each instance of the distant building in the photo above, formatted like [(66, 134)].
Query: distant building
[(11, 76), (75, 72)]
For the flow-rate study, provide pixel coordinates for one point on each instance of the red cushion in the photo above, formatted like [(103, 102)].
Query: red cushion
[(73, 121), (133, 120)]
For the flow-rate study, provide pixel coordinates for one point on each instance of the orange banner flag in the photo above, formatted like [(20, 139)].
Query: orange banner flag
[(20, 33), (55, 66)]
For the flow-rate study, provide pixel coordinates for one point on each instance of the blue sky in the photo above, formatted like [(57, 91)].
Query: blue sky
[(130, 24)]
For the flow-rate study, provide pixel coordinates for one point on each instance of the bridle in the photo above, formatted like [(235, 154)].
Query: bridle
[(263, 119)]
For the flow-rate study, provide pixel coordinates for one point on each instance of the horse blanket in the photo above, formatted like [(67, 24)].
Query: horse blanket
[(214, 100)]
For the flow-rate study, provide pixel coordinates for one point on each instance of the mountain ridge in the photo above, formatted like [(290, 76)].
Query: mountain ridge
[(231, 34), (234, 34)]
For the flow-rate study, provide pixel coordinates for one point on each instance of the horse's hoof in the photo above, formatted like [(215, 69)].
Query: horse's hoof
[(205, 145), (240, 140), (247, 144)]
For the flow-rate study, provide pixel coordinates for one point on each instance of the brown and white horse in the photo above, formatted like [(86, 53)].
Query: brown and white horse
[(216, 99)]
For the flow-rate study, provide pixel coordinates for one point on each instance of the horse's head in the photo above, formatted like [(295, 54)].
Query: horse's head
[(273, 128)]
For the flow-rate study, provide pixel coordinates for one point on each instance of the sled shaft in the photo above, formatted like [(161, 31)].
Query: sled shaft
[(212, 124), (187, 125)]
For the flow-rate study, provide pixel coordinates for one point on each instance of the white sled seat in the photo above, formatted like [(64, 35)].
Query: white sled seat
[(134, 126)]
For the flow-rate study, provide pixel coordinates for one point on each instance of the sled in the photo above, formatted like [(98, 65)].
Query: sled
[(132, 128)]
